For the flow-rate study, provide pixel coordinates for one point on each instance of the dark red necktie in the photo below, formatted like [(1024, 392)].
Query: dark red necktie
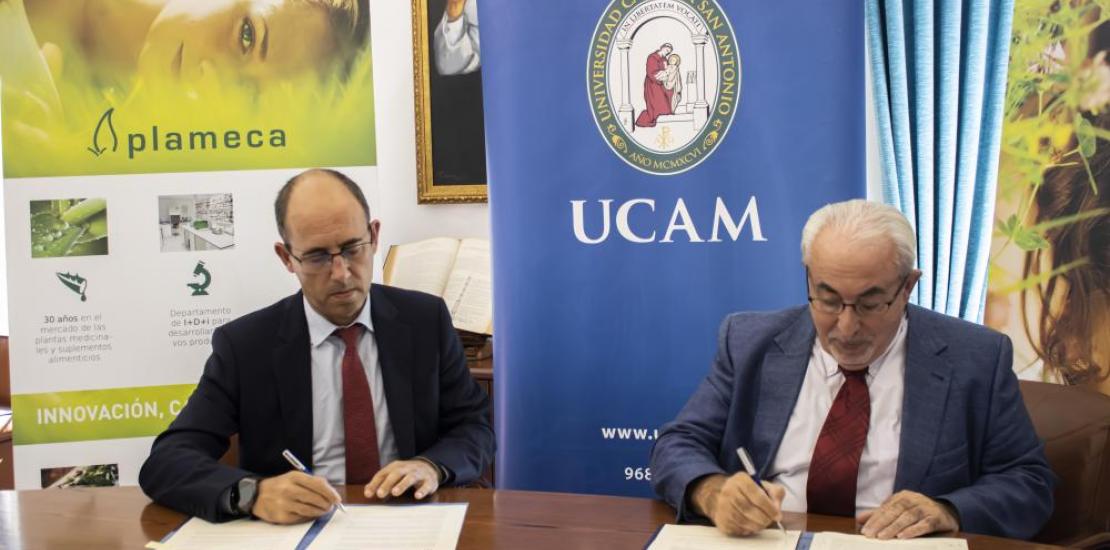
[(831, 488), (360, 432)]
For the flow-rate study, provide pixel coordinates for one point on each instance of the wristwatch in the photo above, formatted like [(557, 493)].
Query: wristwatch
[(243, 495)]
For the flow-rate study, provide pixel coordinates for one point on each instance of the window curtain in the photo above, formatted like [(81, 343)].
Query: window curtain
[(939, 76)]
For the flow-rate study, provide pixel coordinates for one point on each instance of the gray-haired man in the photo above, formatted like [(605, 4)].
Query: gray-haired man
[(858, 405)]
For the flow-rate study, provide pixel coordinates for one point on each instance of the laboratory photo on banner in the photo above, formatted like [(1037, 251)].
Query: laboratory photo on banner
[(141, 86), (1049, 285), (450, 131)]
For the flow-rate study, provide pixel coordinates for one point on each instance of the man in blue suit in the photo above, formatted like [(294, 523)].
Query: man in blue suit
[(366, 384), (862, 406)]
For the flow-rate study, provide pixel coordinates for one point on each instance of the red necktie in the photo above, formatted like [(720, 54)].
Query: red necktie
[(360, 432), (831, 488)]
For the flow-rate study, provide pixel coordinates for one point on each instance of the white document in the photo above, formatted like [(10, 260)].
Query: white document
[(840, 541), (236, 535), (416, 527), (697, 537)]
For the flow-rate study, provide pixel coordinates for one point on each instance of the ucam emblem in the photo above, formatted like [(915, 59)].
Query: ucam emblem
[(663, 81)]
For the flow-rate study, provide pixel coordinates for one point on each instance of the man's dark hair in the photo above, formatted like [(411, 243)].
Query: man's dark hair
[(281, 204)]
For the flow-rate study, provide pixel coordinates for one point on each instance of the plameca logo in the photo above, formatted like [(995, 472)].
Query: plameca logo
[(105, 132), (104, 138), (663, 81)]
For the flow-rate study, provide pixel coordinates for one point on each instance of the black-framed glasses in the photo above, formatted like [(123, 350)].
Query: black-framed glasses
[(864, 308), (321, 260)]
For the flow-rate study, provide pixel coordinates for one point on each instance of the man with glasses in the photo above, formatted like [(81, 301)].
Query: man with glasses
[(858, 405), (363, 383)]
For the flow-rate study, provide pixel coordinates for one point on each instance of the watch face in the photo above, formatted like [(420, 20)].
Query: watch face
[(248, 490)]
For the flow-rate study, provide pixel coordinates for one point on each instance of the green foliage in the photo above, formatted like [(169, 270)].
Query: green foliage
[(69, 227), (1085, 134), (101, 475), (1051, 86), (1024, 237)]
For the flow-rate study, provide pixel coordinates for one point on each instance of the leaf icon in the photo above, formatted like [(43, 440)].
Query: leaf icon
[(96, 149)]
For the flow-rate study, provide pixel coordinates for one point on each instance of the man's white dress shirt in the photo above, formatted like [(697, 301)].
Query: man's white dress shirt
[(328, 443), (879, 463)]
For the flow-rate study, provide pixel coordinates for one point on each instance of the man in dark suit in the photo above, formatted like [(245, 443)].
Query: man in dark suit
[(862, 406), (366, 383)]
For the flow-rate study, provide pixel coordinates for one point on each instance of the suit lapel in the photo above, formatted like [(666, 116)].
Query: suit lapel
[(292, 368), (780, 381), (928, 375), (394, 339)]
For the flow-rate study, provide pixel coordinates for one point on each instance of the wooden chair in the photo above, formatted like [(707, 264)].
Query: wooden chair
[(1074, 423)]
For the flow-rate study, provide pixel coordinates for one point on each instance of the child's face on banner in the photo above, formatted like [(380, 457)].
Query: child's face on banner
[(254, 39)]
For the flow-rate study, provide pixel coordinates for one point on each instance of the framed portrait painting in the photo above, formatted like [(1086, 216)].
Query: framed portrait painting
[(447, 79)]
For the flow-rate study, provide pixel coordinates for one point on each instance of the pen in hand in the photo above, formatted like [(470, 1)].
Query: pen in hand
[(292, 460), (749, 467)]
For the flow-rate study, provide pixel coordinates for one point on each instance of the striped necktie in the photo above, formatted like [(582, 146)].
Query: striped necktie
[(831, 488), (360, 431)]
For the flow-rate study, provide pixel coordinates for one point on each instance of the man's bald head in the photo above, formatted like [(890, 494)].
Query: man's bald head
[(281, 204)]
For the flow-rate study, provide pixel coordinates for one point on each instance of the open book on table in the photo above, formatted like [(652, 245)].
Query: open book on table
[(457, 270)]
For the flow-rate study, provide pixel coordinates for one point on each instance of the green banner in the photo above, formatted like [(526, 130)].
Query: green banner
[(145, 87), (91, 415)]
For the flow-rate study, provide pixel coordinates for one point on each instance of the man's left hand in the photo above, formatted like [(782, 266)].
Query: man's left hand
[(401, 475), (906, 515)]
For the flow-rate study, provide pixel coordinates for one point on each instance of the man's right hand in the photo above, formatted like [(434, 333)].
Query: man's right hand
[(293, 497), (737, 505)]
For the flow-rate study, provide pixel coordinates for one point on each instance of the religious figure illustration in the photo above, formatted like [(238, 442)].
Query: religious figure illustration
[(671, 77), (674, 86), (456, 40), (656, 96), (455, 93)]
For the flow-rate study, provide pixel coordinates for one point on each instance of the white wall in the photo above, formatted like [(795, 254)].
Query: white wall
[(403, 220)]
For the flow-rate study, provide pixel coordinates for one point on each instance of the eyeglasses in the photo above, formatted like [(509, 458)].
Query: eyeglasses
[(321, 260), (864, 308)]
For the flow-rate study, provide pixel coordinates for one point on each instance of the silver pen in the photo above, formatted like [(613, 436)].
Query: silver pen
[(292, 460), (749, 467)]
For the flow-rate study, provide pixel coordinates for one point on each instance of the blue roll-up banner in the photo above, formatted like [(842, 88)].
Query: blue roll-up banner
[(651, 164)]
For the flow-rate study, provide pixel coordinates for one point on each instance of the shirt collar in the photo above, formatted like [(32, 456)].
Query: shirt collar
[(829, 366), (320, 328)]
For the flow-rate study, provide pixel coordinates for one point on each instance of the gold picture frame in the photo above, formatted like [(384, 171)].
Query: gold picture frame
[(450, 130)]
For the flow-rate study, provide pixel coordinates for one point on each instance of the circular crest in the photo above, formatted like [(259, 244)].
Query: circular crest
[(663, 78)]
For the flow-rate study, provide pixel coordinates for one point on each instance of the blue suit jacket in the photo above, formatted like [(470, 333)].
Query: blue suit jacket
[(966, 436), (258, 383)]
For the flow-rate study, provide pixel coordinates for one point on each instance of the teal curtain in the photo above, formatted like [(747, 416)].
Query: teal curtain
[(939, 76)]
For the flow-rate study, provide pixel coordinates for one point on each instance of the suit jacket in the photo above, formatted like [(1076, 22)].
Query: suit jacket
[(257, 383), (966, 436)]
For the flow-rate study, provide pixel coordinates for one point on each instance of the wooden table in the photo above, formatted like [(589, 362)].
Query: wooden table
[(122, 517)]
